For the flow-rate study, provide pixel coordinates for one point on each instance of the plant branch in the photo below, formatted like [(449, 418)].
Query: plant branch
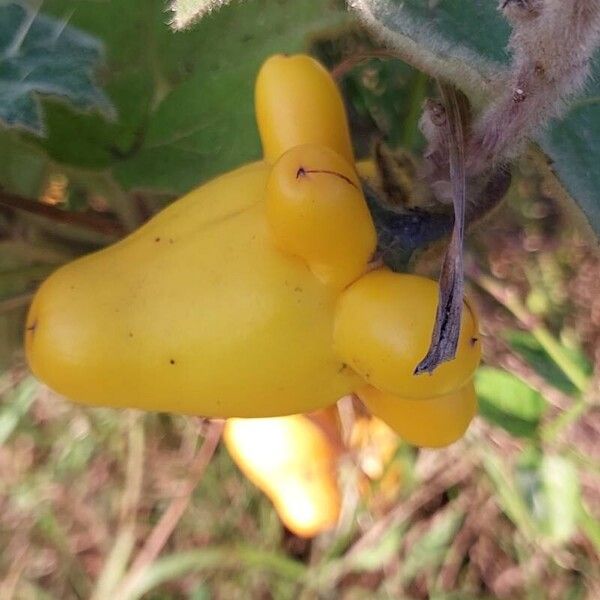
[(552, 43), (96, 223), (125, 539), (8, 304), (167, 523)]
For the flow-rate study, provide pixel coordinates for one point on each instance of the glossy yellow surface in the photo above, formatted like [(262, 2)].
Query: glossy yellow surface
[(317, 211), (432, 423), (293, 462), (248, 298), (297, 102), (383, 326), (196, 312)]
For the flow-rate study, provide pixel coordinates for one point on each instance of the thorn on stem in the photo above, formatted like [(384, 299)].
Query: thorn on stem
[(519, 95)]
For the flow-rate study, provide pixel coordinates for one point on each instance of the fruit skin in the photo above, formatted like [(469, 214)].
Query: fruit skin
[(196, 312), (227, 304), (431, 423), (383, 325), (199, 311), (317, 211), (297, 102), (293, 462)]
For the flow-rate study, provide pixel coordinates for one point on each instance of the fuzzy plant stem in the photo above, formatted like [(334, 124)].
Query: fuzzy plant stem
[(552, 43)]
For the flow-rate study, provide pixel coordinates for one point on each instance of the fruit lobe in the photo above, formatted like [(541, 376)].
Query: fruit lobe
[(431, 422), (383, 326), (297, 102), (317, 211)]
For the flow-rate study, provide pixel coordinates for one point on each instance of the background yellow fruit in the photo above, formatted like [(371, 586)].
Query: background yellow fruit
[(293, 461)]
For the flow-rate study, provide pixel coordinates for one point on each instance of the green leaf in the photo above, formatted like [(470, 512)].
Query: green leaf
[(185, 12), (373, 557), (206, 125), (525, 344), (177, 565), (133, 33), (508, 493), (562, 497), (573, 144), (14, 405), (429, 551), (184, 100), (508, 402), (527, 479), (444, 39), (39, 56)]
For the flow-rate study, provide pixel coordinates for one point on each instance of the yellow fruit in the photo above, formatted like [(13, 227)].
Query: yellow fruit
[(433, 422), (375, 443), (293, 462), (383, 326), (229, 303), (317, 211), (196, 312), (297, 102)]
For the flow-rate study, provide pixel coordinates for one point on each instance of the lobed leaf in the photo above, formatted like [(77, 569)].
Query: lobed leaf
[(185, 101), (43, 56)]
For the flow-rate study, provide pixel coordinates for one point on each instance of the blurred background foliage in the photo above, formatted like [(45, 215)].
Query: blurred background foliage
[(106, 115)]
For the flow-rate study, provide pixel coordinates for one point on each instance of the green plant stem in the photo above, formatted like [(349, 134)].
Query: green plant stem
[(164, 528), (117, 560), (554, 349), (411, 123), (552, 430), (547, 341), (224, 558)]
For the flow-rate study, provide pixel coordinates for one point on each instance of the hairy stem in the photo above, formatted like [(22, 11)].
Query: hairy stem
[(552, 43)]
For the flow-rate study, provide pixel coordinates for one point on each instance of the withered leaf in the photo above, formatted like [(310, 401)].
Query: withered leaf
[(453, 121)]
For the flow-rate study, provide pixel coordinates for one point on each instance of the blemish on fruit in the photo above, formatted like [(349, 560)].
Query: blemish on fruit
[(172, 361), (302, 172), (473, 340), (157, 239)]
